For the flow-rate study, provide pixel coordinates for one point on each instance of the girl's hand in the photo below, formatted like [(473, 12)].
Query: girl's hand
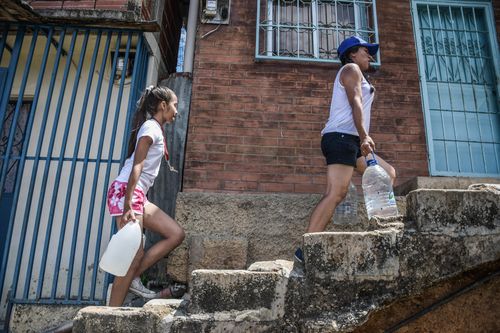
[(128, 215)]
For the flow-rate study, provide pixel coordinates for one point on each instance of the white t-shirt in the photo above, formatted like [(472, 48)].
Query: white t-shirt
[(152, 163), (341, 119)]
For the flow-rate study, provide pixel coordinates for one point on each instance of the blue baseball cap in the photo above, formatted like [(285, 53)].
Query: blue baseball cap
[(356, 41)]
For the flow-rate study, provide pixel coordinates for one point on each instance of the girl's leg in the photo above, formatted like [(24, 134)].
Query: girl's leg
[(121, 284), (337, 183), (156, 220), (361, 167)]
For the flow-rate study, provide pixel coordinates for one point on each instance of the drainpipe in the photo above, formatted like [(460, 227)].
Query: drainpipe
[(191, 36)]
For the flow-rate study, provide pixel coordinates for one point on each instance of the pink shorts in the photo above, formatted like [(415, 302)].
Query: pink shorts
[(116, 197)]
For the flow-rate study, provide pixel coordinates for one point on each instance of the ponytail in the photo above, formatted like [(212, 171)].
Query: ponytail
[(147, 106)]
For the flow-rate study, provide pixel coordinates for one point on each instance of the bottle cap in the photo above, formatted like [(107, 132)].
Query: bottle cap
[(371, 162)]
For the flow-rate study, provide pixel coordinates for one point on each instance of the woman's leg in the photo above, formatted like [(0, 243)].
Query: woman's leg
[(338, 177), (157, 221), (361, 167), (121, 284)]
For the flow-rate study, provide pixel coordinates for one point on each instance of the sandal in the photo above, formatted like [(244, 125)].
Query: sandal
[(175, 290)]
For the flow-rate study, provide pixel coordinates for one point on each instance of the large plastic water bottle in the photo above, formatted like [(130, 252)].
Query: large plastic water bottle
[(377, 190), (347, 211), (122, 249)]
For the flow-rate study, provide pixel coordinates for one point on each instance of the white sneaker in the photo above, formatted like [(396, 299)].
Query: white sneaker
[(138, 288)]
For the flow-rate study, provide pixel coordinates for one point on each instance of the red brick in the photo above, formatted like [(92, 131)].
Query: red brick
[(46, 4), (275, 187), (82, 4)]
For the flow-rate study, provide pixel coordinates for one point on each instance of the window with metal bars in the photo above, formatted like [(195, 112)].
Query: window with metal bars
[(311, 30)]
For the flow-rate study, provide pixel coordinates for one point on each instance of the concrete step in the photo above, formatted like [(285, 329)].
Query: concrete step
[(348, 256), (215, 291), (148, 319), (441, 183)]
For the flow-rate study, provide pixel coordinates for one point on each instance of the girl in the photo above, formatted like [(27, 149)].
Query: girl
[(126, 195), (345, 138)]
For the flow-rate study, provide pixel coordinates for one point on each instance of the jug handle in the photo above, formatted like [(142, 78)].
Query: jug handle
[(372, 151)]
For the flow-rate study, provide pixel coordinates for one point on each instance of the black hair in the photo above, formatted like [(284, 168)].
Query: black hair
[(346, 57), (147, 106)]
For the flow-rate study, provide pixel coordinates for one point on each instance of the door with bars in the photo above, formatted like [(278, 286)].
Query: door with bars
[(459, 73), (65, 107)]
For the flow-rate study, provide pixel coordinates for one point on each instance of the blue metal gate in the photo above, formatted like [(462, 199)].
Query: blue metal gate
[(68, 94), (459, 72)]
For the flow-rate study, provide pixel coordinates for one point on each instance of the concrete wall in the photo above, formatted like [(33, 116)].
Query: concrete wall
[(227, 231)]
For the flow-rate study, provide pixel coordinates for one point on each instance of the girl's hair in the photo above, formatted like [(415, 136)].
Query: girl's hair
[(147, 106)]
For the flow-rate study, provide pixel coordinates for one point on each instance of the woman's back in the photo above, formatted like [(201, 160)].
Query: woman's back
[(340, 119)]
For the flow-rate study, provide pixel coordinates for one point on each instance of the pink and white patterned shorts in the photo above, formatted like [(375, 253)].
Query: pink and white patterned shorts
[(116, 197)]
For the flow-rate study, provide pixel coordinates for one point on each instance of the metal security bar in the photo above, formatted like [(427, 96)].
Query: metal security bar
[(311, 30), (65, 106), (457, 53)]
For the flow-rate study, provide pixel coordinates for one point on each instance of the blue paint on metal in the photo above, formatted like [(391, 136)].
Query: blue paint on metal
[(33, 176), (7, 199), (99, 152), (60, 164), (458, 62), (108, 164), (42, 196), (69, 190), (3, 110), (14, 60), (54, 239), (18, 179), (5, 28), (87, 151), (12, 131)]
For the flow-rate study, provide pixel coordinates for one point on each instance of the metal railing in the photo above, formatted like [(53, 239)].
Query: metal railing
[(311, 30), (68, 96)]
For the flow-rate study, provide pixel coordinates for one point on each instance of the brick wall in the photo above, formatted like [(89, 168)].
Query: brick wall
[(120, 5), (256, 126)]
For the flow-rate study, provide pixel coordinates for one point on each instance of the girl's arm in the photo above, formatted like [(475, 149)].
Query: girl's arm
[(141, 151), (351, 78)]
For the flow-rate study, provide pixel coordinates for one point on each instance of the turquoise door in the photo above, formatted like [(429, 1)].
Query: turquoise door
[(459, 75)]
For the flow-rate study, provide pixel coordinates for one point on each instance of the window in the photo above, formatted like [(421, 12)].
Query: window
[(311, 30)]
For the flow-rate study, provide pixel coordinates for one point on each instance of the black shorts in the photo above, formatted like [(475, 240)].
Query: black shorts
[(341, 148)]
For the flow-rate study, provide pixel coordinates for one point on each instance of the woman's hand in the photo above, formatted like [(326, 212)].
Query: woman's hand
[(127, 216), (367, 146)]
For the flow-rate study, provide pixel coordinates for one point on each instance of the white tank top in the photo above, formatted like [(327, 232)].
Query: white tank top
[(341, 119)]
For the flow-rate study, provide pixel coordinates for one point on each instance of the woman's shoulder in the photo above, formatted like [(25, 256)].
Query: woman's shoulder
[(350, 69), (350, 72)]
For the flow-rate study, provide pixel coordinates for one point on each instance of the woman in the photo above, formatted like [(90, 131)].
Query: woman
[(126, 195), (345, 139)]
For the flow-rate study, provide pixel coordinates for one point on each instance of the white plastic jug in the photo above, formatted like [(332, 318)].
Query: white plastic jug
[(122, 249)]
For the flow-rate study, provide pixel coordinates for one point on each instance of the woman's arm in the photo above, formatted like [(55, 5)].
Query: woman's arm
[(351, 78), (141, 151)]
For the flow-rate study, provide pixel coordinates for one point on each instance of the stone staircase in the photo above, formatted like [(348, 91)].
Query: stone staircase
[(348, 275)]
